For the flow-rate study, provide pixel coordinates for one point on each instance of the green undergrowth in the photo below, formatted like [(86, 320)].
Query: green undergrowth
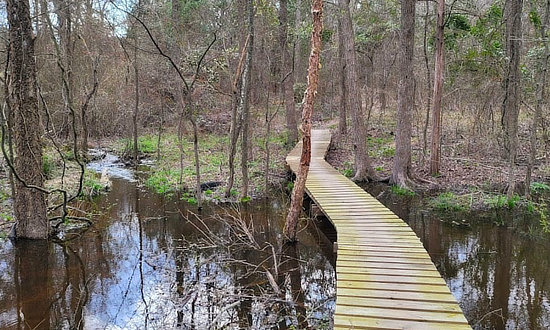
[(397, 190), (167, 176), (492, 203), (381, 147)]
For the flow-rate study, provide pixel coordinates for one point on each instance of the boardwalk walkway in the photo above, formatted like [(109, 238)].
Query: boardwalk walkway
[(385, 277)]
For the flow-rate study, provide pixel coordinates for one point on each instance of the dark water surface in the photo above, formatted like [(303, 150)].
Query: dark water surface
[(499, 275), (148, 262)]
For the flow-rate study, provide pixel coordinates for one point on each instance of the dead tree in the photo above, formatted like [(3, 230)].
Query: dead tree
[(291, 223)]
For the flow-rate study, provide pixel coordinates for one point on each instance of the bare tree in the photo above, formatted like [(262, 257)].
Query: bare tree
[(541, 97), (363, 168), (30, 203), (342, 118), (405, 98), (438, 89), (510, 107), (245, 96), (287, 72), (291, 223)]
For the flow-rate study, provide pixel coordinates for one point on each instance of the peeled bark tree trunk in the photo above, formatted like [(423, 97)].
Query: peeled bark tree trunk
[(29, 204), (438, 89), (541, 98), (287, 74), (291, 223), (405, 98), (362, 163), (245, 96), (512, 82)]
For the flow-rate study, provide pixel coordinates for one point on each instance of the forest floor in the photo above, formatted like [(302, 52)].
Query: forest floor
[(473, 174)]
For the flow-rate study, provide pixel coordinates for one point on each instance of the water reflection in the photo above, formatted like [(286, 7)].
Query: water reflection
[(499, 276), (147, 264)]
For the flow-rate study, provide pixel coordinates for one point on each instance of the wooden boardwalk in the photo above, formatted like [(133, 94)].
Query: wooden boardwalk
[(385, 277)]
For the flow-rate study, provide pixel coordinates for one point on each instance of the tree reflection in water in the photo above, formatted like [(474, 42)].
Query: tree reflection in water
[(148, 262)]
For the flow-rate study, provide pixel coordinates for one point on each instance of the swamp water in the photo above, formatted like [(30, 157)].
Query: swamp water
[(151, 262), (499, 275)]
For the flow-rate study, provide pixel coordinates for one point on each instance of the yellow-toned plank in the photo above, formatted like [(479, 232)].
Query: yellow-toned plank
[(402, 306), (358, 322), (371, 264), (410, 287), (411, 315), (388, 271), (368, 277), (445, 297)]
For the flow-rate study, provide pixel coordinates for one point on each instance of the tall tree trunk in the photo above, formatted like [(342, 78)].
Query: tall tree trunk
[(236, 119), (136, 106), (428, 81), (343, 120), (287, 75), (541, 98), (245, 96), (30, 204), (438, 89), (291, 223), (362, 164), (510, 106), (405, 97), (136, 95)]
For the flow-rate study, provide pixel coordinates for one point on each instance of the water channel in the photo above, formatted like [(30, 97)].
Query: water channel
[(155, 262)]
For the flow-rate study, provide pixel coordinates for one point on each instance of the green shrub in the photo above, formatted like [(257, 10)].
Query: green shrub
[(501, 201)]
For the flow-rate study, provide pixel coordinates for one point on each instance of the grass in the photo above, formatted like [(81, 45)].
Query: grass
[(502, 201), (164, 181), (539, 188), (213, 155), (48, 166), (92, 186), (397, 190), (447, 201)]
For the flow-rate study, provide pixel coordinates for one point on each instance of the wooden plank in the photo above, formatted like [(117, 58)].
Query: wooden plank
[(355, 322), (377, 278), (387, 271), (398, 304), (392, 294), (373, 264), (410, 315)]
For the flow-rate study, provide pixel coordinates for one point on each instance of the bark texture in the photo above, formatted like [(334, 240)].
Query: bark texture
[(30, 204), (361, 158), (541, 99), (405, 97), (245, 98), (510, 107), (343, 120), (291, 223), (438, 89), (287, 74)]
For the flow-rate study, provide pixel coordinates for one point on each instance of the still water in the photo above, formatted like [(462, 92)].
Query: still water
[(499, 275), (152, 262)]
